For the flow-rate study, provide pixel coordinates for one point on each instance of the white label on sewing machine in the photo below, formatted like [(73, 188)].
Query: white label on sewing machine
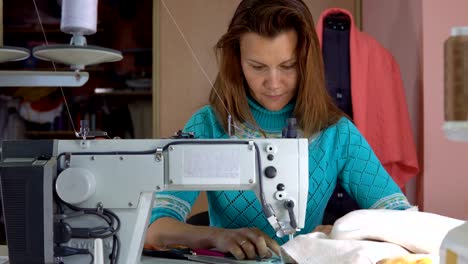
[(211, 167), (203, 166)]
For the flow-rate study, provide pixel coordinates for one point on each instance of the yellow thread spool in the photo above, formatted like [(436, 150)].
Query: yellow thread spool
[(451, 257)]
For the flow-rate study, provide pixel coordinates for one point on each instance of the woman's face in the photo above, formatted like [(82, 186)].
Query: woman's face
[(270, 67)]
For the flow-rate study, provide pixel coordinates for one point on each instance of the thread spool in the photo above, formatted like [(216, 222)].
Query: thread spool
[(79, 17), (456, 84)]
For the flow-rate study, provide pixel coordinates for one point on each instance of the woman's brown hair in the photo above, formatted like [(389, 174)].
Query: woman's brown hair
[(314, 109)]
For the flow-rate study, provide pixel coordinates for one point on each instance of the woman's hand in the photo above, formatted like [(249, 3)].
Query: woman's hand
[(242, 243), (245, 243)]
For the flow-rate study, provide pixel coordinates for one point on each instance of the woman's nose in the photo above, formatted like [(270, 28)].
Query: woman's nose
[(273, 80)]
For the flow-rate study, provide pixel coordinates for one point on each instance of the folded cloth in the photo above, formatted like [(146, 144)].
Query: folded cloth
[(419, 232), (319, 248)]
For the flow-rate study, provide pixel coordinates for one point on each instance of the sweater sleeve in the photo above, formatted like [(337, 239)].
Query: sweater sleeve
[(362, 174), (178, 204)]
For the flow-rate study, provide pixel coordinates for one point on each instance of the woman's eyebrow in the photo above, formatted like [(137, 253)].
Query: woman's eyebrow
[(289, 61), (256, 62), (284, 62)]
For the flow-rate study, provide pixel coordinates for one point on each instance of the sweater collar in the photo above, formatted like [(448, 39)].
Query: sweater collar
[(272, 121)]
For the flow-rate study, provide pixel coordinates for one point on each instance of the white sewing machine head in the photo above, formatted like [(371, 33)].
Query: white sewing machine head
[(115, 181)]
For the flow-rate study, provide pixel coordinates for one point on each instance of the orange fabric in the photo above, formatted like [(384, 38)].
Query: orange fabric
[(379, 105)]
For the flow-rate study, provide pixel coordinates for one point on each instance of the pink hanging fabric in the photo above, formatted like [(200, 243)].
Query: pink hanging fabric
[(379, 106)]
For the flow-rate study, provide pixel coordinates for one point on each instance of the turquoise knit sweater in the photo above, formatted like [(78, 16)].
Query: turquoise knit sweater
[(337, 155)]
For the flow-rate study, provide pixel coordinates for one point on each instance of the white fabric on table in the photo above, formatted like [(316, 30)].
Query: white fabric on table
[(318, 248), (419, 232), (355, 237)]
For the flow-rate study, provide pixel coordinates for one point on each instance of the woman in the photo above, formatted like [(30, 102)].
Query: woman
[(271, 69)]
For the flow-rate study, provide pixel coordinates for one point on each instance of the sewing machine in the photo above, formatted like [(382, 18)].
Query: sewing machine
[(60, 195)]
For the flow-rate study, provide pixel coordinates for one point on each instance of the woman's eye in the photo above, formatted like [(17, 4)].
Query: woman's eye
[(257, 67), (289, 66)]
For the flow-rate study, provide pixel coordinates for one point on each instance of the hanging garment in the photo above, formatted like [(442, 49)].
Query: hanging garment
[(335, 52), (378, 102)]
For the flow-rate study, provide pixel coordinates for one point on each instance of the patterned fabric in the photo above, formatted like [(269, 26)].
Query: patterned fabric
[(339, 154), (395, 201)]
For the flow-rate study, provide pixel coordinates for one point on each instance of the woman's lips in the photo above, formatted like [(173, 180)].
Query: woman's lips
[(274, 97)]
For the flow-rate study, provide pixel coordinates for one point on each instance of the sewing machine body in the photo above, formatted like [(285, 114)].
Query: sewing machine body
[(122, 176)]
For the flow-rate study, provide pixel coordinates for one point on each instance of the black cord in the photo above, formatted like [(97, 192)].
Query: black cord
[(146, 152), (92, 257), (101, 232), (153, 151), (207, 142), (115, 250), (105, 213), (64, 251), (265, 206)]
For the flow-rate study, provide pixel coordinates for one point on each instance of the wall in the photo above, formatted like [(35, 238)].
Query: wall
[(397, 26), (183, 85), (445, 162), (414, 31)]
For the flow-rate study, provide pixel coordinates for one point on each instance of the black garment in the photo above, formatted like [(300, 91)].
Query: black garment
[(335, 51)]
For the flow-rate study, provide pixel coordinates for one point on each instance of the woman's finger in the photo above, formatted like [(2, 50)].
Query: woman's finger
[(273, 245), (237, 251), (248, 248), (263, 243)]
